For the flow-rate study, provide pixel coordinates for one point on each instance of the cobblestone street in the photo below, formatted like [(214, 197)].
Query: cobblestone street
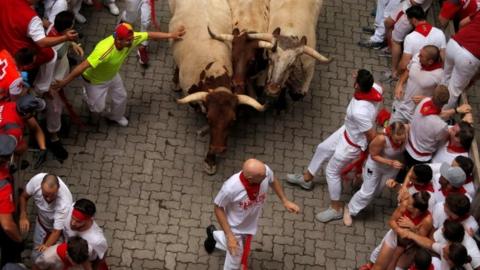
[(153, 198)]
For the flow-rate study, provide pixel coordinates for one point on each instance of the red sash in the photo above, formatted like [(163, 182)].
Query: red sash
[(429, 108), (345, 135), (246, 252), (399, 15), (416, 151), (418, 219), (372, 95), (427, 187), (423, 28), (251, 189), (62, 253)]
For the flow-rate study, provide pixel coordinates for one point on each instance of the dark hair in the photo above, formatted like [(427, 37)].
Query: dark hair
[(466, 134), (63, 21), (458, 203), (77, 249), (423, 172), (416, 12), (453, 231), (25, 56), (364, 80), (440, 95), (422, 259), (85, 206), (466, 164), (420, 200), (458, 254)]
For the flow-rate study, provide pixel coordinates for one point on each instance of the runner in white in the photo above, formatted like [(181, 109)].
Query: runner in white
[(80, 222), (52, 199), (238, 206), (383, 162), (460, 140), (68, 255)]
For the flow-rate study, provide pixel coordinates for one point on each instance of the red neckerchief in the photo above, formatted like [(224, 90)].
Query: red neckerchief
[(388, 132), (428, 187), (372, 95), (413, 267), (435, 65), (251, 189), (429, 108), (460, 190), (469, 179), (62, 253), (455, 149), (418, 219), (53, 32), (423, 28)]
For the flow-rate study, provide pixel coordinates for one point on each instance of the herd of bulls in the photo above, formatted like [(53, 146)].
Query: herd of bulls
[(235, 51)]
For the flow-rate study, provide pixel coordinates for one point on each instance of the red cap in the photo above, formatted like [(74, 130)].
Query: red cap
[(124, 31)]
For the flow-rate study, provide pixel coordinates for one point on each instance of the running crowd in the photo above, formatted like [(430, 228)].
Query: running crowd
[(420, 148)]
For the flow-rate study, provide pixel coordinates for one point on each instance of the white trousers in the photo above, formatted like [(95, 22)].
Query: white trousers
[(54, 104), (374, 178), (231, 262), (135, 7), (384, 9), (460, 67), (344, 154), (44, 77), (96, 97), (325, 151)]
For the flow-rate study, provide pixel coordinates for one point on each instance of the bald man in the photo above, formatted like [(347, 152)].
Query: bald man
[(52, 199), (238, 206), (423, 74)]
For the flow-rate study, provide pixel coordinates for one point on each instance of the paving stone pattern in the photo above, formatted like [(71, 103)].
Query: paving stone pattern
[(153, 198)]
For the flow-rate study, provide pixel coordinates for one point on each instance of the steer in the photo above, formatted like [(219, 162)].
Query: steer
[(292, 58), (204, 68), (248, 16)]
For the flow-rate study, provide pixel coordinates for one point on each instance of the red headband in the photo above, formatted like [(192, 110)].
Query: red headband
[(124, 31), (77, 214)]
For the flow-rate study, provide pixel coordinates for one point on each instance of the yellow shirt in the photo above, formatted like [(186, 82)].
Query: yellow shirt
[(106, 60)]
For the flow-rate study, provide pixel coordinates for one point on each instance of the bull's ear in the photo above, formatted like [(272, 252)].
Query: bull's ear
[(276, 32), (236, 32), (274, 48), (202, 75), (303, 41)]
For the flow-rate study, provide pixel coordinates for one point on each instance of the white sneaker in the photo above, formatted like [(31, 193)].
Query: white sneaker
[(113, 9), (329, 215), (297, 179), (121, 122), (80, 18)]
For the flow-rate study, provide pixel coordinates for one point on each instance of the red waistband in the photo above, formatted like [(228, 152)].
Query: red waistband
[(350, 141), (416, 151)]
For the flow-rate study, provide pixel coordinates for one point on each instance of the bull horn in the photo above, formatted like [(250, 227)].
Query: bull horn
[(262, 36), (313, 53), (265, 44), (246, 100), (198, 96), (220, 37)]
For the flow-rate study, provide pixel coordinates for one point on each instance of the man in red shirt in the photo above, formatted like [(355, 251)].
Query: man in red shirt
[(10, 238), (457, 10), (462, 61)]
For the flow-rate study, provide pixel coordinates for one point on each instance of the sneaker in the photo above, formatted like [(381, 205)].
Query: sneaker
[(297, 179), (372, 45), (142, 55), (58, 151), (347, 218), (80, 18), (210, 242), (368, 30), (122, 121), (329, 215), (113, 9)]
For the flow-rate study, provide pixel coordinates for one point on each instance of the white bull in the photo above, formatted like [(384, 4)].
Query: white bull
[(205, 69)]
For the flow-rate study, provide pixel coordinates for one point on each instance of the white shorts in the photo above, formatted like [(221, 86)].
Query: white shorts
[(402, 26)]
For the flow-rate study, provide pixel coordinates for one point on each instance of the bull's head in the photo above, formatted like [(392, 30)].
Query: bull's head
[(244, 55), (282, 56), (221, 106)]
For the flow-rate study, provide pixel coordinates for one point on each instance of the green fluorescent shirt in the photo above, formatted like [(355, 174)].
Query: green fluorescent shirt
[(106, 60)]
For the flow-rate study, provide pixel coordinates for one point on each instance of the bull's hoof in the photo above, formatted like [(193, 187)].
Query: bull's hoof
[(296, 96), (210, 169)]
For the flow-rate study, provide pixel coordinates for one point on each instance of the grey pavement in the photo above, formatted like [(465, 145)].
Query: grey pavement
[(154, 200)]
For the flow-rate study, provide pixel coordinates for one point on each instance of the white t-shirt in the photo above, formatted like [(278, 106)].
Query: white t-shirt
[(49, 259), (360, 118), (35, 29), (439, 216), (425, 140), (97, 243), (53, 7), (242, 213), (443, 155), (438, 248), (53, 215), (416, 41), (425, 4)]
